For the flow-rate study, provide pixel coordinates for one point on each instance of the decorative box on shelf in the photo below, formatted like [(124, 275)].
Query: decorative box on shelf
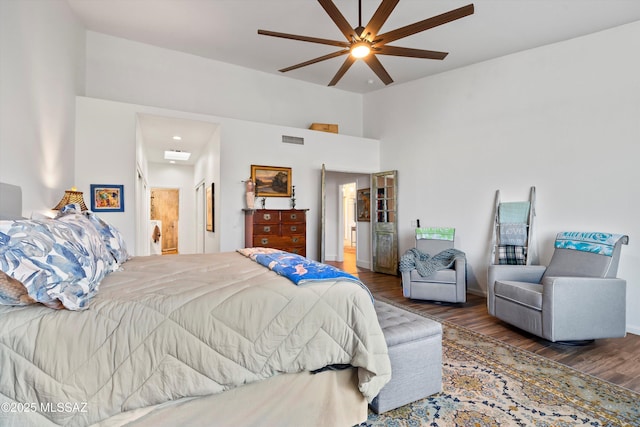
[(324, 127), (284, 229)]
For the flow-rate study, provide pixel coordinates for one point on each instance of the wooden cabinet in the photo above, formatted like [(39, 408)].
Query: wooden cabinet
[(284, 229)]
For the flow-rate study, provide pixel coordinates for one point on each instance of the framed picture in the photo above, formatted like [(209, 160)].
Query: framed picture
[(209, 208), (271, 181), (363, 204), (107, 198)]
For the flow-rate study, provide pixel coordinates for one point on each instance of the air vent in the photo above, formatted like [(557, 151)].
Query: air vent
[(292, 139)]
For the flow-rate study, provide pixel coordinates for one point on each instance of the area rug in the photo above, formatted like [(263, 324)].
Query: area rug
[(489, 383)]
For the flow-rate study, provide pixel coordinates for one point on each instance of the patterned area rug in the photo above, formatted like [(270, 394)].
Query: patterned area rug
[(489, 383)]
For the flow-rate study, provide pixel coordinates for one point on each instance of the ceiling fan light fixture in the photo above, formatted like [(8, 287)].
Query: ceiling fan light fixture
[(360, 49)]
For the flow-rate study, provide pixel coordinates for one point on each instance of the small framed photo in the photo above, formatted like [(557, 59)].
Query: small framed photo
[(107, 198), (271, 181)]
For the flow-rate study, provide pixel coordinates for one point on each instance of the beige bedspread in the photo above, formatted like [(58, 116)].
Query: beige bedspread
[(174, 326)]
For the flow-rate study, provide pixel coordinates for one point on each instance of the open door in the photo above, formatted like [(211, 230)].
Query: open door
[(164, 206), (384, 221)]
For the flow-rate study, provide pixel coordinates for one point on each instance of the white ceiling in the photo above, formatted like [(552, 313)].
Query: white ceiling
[(226, 30)]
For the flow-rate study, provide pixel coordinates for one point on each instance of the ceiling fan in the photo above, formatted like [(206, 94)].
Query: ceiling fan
[(365, 42)]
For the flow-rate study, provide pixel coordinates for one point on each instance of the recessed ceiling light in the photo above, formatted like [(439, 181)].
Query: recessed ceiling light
[(176, 155), (177, 137)]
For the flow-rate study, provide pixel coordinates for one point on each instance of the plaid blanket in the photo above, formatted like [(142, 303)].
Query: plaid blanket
[(511, 255)]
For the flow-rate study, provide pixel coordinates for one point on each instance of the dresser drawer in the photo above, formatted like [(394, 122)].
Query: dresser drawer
[(266, 229), (294, 240), (266, 241), (291, 229), (301, 250), (292, 216), (266, 217)]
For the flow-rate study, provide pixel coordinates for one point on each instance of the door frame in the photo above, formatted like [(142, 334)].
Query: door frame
[(363, 236)]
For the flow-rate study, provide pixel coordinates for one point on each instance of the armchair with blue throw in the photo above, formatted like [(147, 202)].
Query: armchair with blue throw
[(434, 270), (576, 298)]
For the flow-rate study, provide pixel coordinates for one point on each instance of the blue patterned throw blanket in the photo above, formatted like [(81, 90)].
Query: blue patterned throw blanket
[(427, 264), (298, 269), (593, 242)]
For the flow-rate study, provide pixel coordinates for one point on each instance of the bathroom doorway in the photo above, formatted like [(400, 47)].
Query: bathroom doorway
[(164, 207)]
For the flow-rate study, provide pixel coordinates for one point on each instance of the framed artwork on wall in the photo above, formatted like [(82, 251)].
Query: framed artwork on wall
[(209, 208), (363, 205), (107, 198), (271, 181)]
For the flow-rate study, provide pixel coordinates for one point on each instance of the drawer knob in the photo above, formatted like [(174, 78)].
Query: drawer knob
[(294, 216), (295, 239), (267, 229), (264, 240), (266, 217), (294, 228)]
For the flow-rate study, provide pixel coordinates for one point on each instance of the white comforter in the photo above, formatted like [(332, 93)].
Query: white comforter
[(185, 325)]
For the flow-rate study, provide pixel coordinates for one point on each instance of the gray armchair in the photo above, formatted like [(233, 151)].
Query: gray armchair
[(446, 285), (576, 298)]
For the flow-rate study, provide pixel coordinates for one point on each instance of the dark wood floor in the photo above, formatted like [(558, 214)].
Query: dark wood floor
[(614, 360)]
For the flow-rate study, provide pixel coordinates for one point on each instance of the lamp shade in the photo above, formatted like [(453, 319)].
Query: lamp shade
[(71, 196)]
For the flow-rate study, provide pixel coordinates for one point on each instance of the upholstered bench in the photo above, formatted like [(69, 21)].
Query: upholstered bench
[(415, 350)]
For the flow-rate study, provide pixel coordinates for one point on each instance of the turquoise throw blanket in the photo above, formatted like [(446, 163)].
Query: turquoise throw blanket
[(298, 269), (593, 242), (514, 212), (427, 264)]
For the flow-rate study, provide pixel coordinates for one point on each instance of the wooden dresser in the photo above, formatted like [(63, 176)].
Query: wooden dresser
[(284, 229)]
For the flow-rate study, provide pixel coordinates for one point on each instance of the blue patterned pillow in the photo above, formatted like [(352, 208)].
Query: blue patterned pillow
[(58, 260), (111, 238)]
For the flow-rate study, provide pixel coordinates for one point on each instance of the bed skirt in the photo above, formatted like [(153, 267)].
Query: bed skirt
[(328, 398)]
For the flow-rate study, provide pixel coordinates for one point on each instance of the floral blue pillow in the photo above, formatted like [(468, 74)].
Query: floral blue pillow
[(59, 261), (111, 238)]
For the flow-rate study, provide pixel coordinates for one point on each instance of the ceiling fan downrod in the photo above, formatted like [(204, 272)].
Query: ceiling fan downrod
[(359, 29)]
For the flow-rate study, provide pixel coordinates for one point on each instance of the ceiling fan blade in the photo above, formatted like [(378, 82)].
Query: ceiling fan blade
[(425, 24), (339, 19), (409, 52), (377, 68), (345, 66), (314, 60), (303, 38), (379, 18)]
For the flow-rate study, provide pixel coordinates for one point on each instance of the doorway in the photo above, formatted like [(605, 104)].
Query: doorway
[(164, 207), (337, 219), (349, 232)]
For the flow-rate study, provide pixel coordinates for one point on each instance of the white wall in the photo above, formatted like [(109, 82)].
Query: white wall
[(244, 144), (106, 154), (564, 118), (127, 71), (207, 170), (41, 72), (179, 177)]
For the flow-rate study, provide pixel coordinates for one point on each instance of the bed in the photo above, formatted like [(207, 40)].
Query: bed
[(210, 339)]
